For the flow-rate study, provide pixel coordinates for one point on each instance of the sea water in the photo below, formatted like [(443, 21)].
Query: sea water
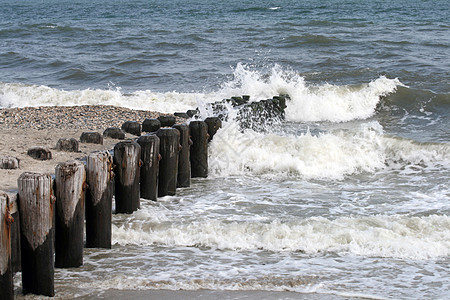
[(348, 196)]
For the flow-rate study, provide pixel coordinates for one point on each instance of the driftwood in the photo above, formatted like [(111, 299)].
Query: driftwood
[(99, 195), (36, 203), (70, 181)]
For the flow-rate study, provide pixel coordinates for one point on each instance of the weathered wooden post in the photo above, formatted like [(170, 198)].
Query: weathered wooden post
[(15, 232), (91, 137), (36, 203), (132, 127), (127, 161), (99, 195), (151, 125), (199, 149), (70, 182), (67, 144), (6, 272), (9, 162), (192, 112), (167, 121), (214, 124), (114, 133), (40, 153), (168, 166), (184, 163), (150, 166)]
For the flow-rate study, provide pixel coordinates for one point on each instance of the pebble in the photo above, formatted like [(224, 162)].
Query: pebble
[(88, 117)]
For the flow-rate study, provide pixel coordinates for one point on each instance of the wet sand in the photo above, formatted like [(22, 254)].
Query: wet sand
[(209, 295)]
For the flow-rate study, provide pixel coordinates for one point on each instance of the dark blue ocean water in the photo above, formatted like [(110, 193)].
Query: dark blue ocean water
[(349, 196), (194, 45)]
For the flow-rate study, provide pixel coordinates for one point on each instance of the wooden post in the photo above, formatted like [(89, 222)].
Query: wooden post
[(91, 137), (114, 133), (36, 203), (67, 144), (151, 125), (9, 162), (6, 273), (40, 153), (70, 182), (127, 160), (184, 163), (99, 195), (167, 121), (132, 127), (168, 166), (214, 124), (150, 166), (199, 149), (15, 232)]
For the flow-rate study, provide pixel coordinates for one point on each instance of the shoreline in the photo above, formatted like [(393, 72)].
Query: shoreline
[(23, 128), (206, 294)]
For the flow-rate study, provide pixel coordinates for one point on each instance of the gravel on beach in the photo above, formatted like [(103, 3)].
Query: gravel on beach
[(86, 117), (23, 128)]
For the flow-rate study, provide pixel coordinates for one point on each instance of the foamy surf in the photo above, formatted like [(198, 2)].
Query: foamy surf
[(397, 236), (327, 155), (308, 102), (19, 95)]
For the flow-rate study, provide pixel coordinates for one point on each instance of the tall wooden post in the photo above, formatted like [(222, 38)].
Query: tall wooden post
[(99, 195), (168, 166), (6, 273), (70, 181), (150, 166), (127, 160), (214, 124), (15, 232), (199, 149), (36, 203), (184, 163)]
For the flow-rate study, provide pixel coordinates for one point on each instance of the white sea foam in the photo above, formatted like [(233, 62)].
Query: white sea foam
[(308, 102), (395, 236), (324, 156), (19, 95), (330, 155)]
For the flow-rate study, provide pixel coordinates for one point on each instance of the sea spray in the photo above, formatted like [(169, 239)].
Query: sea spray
[(326, 155), (308, 102), (397, 236)]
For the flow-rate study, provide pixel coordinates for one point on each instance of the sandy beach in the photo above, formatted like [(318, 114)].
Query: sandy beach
[(23, 128)]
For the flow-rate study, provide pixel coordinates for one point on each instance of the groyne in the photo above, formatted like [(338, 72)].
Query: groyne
[(42, 224)]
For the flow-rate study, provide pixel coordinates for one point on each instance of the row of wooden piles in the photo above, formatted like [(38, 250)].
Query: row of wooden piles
[(53, 212)]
